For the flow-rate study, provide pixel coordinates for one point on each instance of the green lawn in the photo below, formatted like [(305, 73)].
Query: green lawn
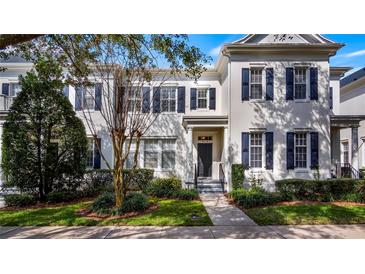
[(307, 214), (170, 212)]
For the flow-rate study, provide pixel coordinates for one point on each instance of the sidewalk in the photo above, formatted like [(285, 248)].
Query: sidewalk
[(222, 213), (198, 232)]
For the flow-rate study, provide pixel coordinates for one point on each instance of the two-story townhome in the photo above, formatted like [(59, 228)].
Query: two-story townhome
[(267, 104), (352, 104)]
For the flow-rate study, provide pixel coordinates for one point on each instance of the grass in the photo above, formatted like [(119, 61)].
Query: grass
[(170, 212), (307, 214)]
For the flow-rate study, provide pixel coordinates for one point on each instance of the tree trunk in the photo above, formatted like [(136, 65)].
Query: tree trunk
[(118, 179)]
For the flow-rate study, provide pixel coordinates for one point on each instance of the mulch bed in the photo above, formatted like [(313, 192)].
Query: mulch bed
[(40, 205), (87, 213)]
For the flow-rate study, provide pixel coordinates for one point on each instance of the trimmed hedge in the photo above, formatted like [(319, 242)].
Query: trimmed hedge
[(164, 187), (254, 197), (319, 190), (186, 194), (238, 175), (104, 203), (59, 197), (20, 200)]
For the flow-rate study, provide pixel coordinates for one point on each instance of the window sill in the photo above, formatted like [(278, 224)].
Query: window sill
[(301, 101), (301, 170)]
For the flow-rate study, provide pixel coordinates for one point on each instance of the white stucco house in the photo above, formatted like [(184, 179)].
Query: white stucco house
[(272, 102)]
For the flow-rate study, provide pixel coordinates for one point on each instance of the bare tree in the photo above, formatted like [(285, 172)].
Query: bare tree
[(126, 70)]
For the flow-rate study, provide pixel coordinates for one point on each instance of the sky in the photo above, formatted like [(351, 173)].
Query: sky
[(351, 55)]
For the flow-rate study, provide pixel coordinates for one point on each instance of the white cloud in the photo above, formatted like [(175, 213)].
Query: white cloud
[(215, 51), (353, 54)]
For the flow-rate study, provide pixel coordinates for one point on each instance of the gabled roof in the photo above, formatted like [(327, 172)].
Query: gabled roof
[(353, 77), (283, 39)]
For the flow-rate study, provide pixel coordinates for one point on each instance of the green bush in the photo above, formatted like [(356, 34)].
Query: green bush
[(254, 197), (140, 178), (59, 197), (20, 200), (186, 194), (319, 190), (238, 175), (134, 201), (362, 172), (104, 203), (164, 187)]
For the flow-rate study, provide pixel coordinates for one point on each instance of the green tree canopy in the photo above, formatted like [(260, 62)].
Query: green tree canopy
[(43, 140)]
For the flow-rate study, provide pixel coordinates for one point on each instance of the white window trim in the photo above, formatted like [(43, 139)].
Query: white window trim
[(159, 155), (90, 91), (206, 97), (135, 98), (93, 149), (343, 150), (11, 83), (263, 165), (263, 83), (307, 83), (176, 89), (308, 150)]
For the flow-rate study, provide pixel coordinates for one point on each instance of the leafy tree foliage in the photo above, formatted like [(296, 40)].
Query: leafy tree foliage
[(43, 140)]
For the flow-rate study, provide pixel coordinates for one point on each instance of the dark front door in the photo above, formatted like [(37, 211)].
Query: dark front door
[(204, 160)]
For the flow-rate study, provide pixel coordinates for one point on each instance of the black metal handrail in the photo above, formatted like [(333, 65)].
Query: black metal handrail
[(222, 176), (348, 171)]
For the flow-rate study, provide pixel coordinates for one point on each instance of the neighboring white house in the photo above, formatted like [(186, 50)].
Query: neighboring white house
[(352, 103), (267, 104)]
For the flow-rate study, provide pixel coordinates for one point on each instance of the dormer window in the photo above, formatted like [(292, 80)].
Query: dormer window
[(300, 83), (256, 83)]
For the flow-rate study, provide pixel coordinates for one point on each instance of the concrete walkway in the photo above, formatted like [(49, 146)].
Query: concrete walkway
[(198, 232), (223, 213)]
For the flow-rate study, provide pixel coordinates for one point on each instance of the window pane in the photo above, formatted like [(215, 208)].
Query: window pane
[(15, 88), (300, 83), (256, 83), (202, 98), (90, 153), (150, 159), (168, 159), (301, 150), (168, 99), (256, 150)]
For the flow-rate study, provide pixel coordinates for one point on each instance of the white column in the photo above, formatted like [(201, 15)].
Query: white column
[(189, 156), (226, 162), (336, 151), (355, 147)]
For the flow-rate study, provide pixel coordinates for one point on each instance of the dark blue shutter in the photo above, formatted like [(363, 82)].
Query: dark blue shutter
[(314, 83), (331, 98), (97, 146), (314, 150), (212, 98), (146, 99), (98, 91), (193, 98), (270, 84), (245, 84), (269, 150), (78, 98), (5, 89), (245, 146), (290, 150), (181, 99), (156, 100), (289, 84), (65, 91)]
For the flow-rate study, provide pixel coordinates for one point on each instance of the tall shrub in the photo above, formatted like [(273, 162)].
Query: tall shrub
[(238, 175), (43, 140)]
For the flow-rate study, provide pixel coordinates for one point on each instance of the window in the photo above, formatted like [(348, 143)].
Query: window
[(300, 87), (130, 159), (90, 153), (151, 148), (14, 89), (168, 99), (202, 98), (256, 83), (256, 150), (159, 154), (300, 150), (168, 154), (345, 151), (135, 100), (89, 98)]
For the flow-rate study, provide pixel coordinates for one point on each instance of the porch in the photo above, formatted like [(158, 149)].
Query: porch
[(207, 152), (340, 167)]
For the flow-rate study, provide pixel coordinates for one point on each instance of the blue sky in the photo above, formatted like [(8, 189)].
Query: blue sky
[(351, 55)]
